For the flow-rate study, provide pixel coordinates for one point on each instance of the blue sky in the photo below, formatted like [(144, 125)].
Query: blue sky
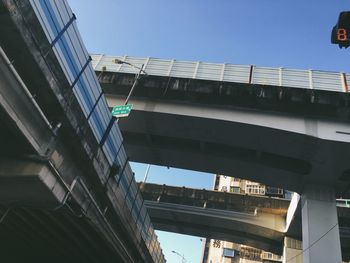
[(294, 33), (261, 32)]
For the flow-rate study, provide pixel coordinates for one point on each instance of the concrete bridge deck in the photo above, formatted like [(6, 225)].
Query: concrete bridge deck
[(278, 134), (257, 221), (292, 133)]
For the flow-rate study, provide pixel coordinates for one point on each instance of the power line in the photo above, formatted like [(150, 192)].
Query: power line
[(316, 241)]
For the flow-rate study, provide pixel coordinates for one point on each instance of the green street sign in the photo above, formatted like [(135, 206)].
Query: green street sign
[(122, 111)]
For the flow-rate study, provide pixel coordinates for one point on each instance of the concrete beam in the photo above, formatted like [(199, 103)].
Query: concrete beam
[(269, 147), (259, 230), (21, 110), (202, 198), (28, 183), (318, 128)]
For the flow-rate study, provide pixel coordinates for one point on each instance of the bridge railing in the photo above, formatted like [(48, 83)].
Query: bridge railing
[(246, 74), (58, 23)]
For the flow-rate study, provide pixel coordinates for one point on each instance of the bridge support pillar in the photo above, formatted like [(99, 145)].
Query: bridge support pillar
[(292, 251), (321, 241)]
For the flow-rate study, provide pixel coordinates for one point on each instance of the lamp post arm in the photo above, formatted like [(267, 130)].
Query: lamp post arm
[(141, 69), (118, 61), (183, 259), (134, 85)]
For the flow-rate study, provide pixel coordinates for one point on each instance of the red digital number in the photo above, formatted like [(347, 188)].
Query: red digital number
[(341, 34)]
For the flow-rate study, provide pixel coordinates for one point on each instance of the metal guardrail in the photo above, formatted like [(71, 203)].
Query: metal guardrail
[(246, 74)]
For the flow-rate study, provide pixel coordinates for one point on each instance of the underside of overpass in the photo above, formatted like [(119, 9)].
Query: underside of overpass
[(57, 202), (46, 214), (243, 219), (41, 219), (237, 227), (38, 235), (228, 216), (286, 140)]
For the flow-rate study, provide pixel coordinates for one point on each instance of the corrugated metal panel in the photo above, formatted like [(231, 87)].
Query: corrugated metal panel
[(266, 76), (295, 78), (73, 56), (95, 60), (347, 77), (236, 73), (158, 67), (208, 71), (345, 82), (183, 69), (103, 61), (50, 34), (327, 81)]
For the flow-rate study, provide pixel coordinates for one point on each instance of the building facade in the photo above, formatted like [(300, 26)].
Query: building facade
[(240, 186), (218, 251)]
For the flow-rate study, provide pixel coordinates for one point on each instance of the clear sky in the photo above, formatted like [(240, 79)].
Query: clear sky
[(275, 33)]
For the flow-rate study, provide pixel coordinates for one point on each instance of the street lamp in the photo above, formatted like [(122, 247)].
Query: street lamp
[(118, 61), (138, 76), (183, 260), (146, 174)]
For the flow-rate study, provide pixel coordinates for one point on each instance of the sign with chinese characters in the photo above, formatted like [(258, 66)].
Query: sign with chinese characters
[(122, 111)]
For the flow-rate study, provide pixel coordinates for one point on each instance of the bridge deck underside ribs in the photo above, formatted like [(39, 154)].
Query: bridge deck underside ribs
[(36, 235)]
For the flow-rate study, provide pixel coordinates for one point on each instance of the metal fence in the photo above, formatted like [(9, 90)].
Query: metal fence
[(58, 23), (246, 74)]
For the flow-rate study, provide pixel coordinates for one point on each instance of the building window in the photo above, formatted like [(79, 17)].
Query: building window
[(224, 189), (255, 189), (250, 253), (274, 190), (228, 252), (234, 189), (270, 256)]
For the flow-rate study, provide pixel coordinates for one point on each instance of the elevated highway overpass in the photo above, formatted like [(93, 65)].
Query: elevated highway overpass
[(59, 167), (281, 127), (257, 221), (250, 220), (64, 195)]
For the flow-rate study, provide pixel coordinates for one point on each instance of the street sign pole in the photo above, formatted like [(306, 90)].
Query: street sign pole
[(110, 125), (134, 85)]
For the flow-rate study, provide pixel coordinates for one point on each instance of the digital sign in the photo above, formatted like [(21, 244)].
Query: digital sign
[(342, 34), (341, 31)]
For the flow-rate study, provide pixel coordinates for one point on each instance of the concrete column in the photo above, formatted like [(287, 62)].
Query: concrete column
[(292, 251), (321, 242)]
